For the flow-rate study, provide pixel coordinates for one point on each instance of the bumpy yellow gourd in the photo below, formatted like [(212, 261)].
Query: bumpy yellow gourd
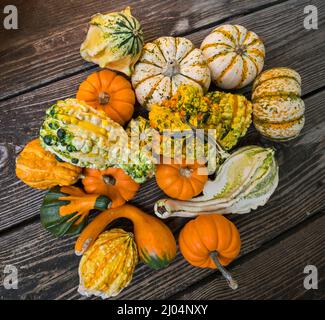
[(107, 266)]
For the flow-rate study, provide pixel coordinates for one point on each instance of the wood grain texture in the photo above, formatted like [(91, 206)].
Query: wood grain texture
[(48, 268), (46, 45), (20, 117), (274, 273)]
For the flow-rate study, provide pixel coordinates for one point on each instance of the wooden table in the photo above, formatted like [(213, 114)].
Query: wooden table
[(40, 63)]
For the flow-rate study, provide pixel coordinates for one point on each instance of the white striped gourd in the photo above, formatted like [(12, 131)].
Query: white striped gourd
[(165, 64), (235, 56), (278, 110)]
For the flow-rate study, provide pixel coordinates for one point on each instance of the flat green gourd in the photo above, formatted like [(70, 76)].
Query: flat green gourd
[(245, 181), (65, 209), (83, 136)]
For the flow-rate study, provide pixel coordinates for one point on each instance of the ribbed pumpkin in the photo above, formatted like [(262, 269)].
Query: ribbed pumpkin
[(65, 209), (82, 135), (112, 182), (235, 56), (278, 110), (107, 267), (107, 91), (164, 65), (114, 40), (210, 241), (40, 169), (181, 181), (156, 243)]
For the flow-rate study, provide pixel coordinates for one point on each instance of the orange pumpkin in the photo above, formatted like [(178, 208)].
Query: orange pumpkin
[(210, 241), (156, 243), (112, 182), (181, 181), (107, 91)]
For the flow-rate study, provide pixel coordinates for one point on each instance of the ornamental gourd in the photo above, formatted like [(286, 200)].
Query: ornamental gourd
[(65, 209), (181, 181), (40, 169), (112, 182), (164, 65), (278, 110), (108, 266), (156, 243), (82, 135), (107, 91), (210, 241), (114, 40), (235, 56)]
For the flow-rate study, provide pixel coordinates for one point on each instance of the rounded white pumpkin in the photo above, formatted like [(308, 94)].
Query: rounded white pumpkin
[(235, 56), (165, 64), (278, 110)]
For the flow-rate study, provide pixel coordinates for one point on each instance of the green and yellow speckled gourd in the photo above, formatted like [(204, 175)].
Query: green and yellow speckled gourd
[(81, 135), (114, 40), (278, 110)]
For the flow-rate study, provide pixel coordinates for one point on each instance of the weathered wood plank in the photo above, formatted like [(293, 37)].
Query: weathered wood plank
[(274, 273), (46, 45), (300, 194), (21, 117)]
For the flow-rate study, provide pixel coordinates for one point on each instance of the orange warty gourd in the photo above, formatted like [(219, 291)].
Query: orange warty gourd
[(107, 91), (112, 182), (181, 181), (210, 241), (156, 243), (40, 169)]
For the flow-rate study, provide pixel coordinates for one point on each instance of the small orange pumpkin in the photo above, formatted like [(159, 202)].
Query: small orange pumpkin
[(107, 91), (210, 241), (181, 181), (112, 182)]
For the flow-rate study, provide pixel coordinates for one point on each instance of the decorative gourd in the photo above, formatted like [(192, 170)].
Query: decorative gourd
[(278, 110), (156, 243), (81, 135), (210, 241), (112, 182), (40, 169), (108, 266), (228, 114), (107, 91), (245, 181), (114, 40), (181, 181), (65, 209), (235, 56), (164, 65)]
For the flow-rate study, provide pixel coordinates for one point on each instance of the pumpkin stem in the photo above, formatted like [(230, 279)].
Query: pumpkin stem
[(240, 50), (231, 281), (108, 179), (171, 69), (185, 172), (103, 97)]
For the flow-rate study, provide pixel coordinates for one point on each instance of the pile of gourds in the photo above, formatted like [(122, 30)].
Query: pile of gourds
[(84, 158)]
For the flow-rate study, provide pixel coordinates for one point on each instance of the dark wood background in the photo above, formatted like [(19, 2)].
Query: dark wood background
[(40, 63)]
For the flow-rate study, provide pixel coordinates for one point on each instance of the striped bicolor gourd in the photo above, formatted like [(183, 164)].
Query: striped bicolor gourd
[(278, 110), (235, 56), (164, 65)]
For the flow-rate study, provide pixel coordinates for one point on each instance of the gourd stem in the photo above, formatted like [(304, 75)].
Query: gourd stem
[(110, 180), (103, 97), (231, 281)]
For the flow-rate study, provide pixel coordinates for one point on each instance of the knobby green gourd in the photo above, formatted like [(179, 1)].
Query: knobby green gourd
[(245, 181)]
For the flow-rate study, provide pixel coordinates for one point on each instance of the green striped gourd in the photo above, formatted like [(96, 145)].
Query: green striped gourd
[(113, 41), (164, 65), (278, 110), (235, 56), (81, 135)]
